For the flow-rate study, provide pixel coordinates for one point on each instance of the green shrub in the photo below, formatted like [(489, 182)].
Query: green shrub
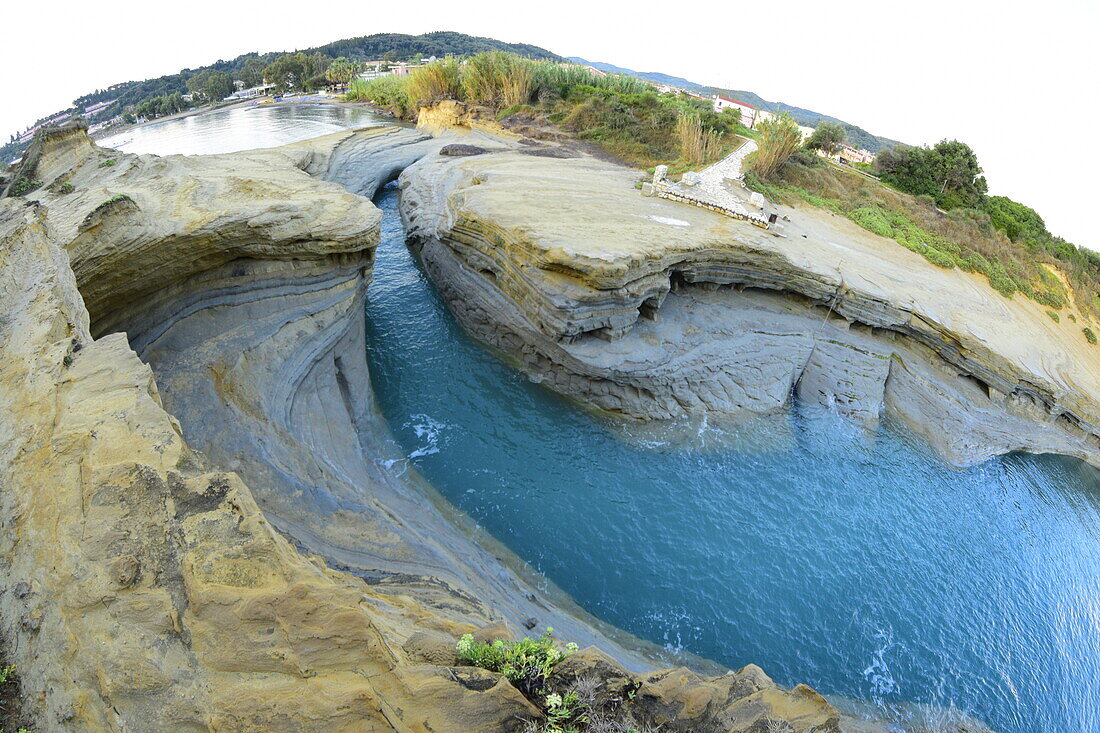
[(1048, 298), (515, 109), (525, 663), (65, 188), (939, 257), (107, 163), (1054, 316), (388, 92), (873, 219), (1089, 335), (24, 186)]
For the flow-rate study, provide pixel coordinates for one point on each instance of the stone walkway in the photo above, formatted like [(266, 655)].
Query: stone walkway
[(708, 187)]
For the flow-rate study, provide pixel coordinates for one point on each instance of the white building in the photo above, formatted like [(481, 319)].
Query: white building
[(250, 93), (852, 155), (92, 109), (374, 73), (749, 114)]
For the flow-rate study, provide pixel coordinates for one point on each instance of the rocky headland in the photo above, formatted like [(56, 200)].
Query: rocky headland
[(652, 309), (202, 529)]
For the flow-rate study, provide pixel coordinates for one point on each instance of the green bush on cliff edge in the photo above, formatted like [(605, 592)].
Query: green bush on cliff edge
[(525, 663), (583, 704)]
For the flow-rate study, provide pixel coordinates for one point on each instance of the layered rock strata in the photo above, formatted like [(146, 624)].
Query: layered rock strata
[(247, 559), (652, 309)]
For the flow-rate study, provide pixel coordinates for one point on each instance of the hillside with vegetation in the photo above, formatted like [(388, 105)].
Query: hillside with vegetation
[(934, 201), (618, 114), (856, 135)]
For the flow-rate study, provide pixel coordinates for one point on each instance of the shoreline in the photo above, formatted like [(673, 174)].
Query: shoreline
[(259, 482), (335, 101)]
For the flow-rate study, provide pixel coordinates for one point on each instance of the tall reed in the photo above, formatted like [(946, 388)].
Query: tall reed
[(778, 139), (555, 80), (698, 145), (435, 82), (497, 79)]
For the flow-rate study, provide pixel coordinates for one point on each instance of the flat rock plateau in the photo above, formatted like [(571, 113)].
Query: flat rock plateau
[(652, 309), (202, 530)]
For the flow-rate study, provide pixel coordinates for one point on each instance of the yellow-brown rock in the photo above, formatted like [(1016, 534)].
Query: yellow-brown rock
[(144, 586)]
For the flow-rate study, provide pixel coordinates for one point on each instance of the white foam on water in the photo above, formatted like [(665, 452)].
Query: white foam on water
[(429, 430), (878, 672)]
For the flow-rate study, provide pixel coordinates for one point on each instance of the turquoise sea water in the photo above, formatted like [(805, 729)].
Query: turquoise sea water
[(867, 569)]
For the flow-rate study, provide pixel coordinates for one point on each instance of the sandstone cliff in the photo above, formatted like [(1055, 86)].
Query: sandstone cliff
[(207, 537), (653, 309)]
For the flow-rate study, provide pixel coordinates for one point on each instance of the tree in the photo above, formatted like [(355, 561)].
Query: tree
[(779, 137), (219, 85), (955, 169), (211, 85), (827, 138), (342, 71), (287, 72), (948, 172), (316, 65), (252, 73), (1019, 222), (295, 70)]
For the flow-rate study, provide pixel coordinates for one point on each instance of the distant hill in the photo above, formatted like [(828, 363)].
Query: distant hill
[(856, 135), (440, 43), (362, 48)]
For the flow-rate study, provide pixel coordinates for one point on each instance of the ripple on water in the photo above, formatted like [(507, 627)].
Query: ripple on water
[(864, 567)]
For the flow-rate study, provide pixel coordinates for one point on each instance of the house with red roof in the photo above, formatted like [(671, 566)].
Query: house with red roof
[(749, 114)]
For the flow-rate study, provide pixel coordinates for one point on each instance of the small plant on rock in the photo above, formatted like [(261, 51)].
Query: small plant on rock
[(525, 663), (1090, 336), (565, 713), (24, 186)]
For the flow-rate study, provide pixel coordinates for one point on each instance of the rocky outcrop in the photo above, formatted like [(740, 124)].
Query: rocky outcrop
[(450, 118), (651, 309), (212, 536)]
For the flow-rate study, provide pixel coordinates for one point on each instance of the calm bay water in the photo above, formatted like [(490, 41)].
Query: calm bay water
[(865, 568), (244, 128)]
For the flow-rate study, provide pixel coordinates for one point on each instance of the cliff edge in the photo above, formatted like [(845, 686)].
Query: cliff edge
[(209, 537), (653, 310)]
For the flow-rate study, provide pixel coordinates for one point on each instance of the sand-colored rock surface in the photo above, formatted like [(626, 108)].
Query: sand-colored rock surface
[(654, 309), (245, 559)]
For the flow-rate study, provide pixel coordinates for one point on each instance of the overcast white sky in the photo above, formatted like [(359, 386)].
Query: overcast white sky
[(1016, 80)]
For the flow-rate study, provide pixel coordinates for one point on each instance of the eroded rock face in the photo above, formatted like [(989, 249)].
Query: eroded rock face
[(653, 309), (278, 577)]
